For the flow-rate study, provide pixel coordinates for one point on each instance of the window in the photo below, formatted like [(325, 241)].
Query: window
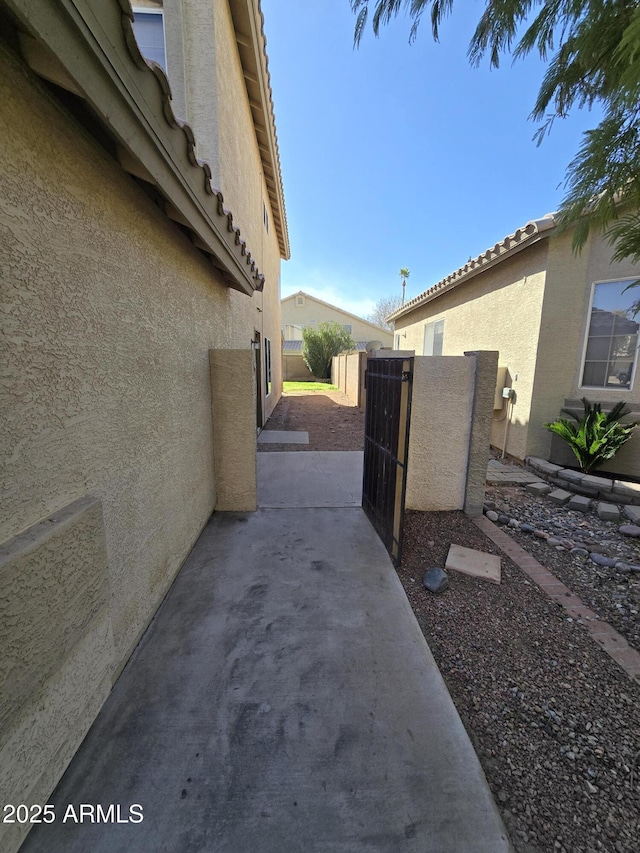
[(299, 300), (347, 328), (148, 26), (267, 366), (398, 341), (611, 348), (433, 338)]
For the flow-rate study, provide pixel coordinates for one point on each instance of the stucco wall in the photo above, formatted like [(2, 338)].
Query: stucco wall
[(441, 414), (218, 110), (318, 312), (499, 309), (347, 372), (109, 313), (564, 324)]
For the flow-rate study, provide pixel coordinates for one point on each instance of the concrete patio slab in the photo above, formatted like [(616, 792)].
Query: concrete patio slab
[(283, 698), (312, 479), (283, 436), (468, 561)]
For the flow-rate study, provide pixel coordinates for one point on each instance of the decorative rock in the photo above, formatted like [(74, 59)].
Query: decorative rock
[(435, 580), (491, 515), (624, 568), (579, 503), (553, 541), (635, 569), (503, 519), (513, 522), (630, 530), (601, 560), (633, 513), (538, 488), (527, 528), (559, 497), (579, 552), (541, 534), (608, 512)]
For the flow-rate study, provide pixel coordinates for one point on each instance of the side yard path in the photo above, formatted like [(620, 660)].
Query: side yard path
[(331, 419), (554, 720)]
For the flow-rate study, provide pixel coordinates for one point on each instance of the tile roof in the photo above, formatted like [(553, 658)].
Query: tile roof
[(530, 233)]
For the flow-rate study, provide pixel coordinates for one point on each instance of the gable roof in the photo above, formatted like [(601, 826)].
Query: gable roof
[(522, 238), (336, 308)]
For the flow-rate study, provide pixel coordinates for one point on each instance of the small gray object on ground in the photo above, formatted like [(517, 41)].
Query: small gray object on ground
[(601, 560), (559, 497), (492, 515), (579, 503), (478, 564), (629, 530), (608, 512), (538, 488), (633, 513), (435, 579), (283, 436)]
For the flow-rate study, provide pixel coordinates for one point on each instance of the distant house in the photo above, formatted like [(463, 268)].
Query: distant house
[(301, 310), (562, 323), (139, 272)]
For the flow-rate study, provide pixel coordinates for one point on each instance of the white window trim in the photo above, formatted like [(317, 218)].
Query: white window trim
[(431, 322), (145, 10), (585, 343)]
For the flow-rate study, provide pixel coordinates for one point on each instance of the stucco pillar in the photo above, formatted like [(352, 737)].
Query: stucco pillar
[(233, 404), (486, 368)]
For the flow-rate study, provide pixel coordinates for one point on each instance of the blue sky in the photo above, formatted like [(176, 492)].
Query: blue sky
[(396, 155)]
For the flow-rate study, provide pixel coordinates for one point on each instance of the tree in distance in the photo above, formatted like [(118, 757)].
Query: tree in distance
[(382, 309), (593, 53), (320, 345)]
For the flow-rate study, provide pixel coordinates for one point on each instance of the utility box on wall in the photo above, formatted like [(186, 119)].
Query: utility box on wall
[(501, 381)]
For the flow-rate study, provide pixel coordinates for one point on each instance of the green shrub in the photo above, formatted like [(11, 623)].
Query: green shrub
[(320, 345), (596, 436)]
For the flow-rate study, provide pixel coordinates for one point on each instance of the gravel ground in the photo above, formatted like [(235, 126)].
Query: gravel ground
[(613, 594), (553, 719)]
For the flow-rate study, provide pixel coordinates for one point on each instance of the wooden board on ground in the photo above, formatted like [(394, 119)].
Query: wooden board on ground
[(475, 563)]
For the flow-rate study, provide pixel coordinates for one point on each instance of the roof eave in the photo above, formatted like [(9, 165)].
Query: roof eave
[(248, 22), (538, 230)]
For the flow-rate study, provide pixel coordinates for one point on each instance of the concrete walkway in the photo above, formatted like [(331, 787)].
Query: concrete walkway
[(283, 699)]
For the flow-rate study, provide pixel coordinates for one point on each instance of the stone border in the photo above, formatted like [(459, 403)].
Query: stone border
[(613, 643), (600, 488)]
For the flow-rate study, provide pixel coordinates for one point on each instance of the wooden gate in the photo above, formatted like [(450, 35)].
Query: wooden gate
[(388, 382)]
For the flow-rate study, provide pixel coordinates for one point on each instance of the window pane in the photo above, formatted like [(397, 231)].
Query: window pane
[(428, 340), (612, 338), (149, 32), (438, 337)]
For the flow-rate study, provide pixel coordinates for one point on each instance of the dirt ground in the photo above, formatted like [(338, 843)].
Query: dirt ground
[(331, 419), (554, 721)]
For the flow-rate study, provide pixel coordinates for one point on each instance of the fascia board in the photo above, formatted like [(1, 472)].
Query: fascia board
[(94, 43)]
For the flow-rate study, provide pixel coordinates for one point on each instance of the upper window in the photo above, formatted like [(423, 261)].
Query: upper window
[(148, 26), (299, 300), (433, 338), (347, 328), (611, 349)]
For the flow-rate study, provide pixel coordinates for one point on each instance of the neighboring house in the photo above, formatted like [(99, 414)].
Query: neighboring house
[(300, 310), (140, 298), (562, 324)]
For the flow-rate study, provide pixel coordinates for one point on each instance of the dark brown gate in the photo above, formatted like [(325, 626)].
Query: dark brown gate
[(386, 447)]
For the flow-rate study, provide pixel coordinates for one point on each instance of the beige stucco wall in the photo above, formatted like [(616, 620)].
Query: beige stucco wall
[(109, 314), (347, 372), (57, 651), (499, 309), (441, 408), (314, 312), (564, 325), (202, 57)]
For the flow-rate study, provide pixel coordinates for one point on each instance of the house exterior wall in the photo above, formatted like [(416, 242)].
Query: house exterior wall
[(564, 324), (499, 309), (206, 74), (109, 314), (314, 312)]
